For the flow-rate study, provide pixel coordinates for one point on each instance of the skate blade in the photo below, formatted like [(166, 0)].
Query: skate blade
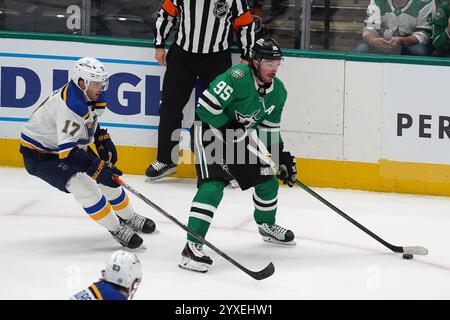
[(189, 264), (142, 248), (272, 240)]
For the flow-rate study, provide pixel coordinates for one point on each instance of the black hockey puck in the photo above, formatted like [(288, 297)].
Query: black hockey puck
[(407, 256)]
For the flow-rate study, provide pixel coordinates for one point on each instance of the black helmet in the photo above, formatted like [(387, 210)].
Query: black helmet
[(266, 48)]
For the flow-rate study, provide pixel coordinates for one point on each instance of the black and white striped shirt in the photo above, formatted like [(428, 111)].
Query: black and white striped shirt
[(205, 25)]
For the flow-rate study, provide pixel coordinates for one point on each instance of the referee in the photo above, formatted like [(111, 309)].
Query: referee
[(200, 50)]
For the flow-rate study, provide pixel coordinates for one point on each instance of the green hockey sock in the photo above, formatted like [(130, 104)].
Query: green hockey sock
[(265, 200), (205, 203)]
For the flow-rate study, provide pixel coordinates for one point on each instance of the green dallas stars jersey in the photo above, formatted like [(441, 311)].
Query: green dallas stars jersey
[(412, 19), (441, 36), (234, 95)]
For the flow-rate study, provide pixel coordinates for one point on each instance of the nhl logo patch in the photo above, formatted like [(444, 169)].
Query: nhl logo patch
[(220, 9), (237, 73)]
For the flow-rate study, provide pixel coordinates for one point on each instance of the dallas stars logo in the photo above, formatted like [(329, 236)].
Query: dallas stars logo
[(237, 73), (247, 120)]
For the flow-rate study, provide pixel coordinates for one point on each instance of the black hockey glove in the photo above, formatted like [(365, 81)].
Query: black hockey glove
[(287, 171), (103, 172), (105, 147), (236, 131)]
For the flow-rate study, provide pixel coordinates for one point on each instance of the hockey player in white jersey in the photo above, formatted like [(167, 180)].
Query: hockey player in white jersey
[(55, 147), (120, 279)]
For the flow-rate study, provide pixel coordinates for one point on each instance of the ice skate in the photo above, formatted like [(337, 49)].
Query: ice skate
[(276, 234), (141, 224), (158, 169), (194, 258), (127, 237)]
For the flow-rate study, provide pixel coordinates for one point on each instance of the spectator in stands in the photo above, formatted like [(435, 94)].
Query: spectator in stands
[(398, 27), (441, 30)]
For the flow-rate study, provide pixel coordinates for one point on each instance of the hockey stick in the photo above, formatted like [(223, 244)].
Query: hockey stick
[(258, 275), (408, 249)]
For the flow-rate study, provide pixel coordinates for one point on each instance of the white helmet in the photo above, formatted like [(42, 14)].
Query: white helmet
[(90, 70), (124, 269)]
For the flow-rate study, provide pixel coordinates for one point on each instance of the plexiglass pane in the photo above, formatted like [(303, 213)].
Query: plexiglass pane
[(56, 16)]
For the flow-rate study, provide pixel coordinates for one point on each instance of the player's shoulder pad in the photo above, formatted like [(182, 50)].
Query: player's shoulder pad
[(101, 104), (279, 84), (240, 71), (378, 3), (109, 291), (444, 5), (73, 98)]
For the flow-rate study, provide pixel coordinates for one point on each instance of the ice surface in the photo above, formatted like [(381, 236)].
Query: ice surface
[(50, 249)]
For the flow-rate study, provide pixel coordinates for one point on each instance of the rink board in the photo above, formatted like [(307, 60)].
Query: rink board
[(353, 121)]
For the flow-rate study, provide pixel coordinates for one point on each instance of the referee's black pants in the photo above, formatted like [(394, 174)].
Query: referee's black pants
[(183, 68)]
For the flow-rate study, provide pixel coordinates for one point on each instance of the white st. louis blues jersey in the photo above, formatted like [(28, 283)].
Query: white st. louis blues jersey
[(63, 121)]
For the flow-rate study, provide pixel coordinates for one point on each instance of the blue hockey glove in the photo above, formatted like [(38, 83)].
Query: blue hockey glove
[(105, 147), (103, 172)]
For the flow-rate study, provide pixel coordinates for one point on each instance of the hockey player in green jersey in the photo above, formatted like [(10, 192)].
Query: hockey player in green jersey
[(240, 107), (441, 29)]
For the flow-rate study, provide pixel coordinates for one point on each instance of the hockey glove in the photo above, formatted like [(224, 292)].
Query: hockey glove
[(105, 147), (236, 131), (103, 172), (287, 171)]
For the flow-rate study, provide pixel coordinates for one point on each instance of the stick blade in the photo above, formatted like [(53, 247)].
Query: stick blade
[(415, 250), (264, 273)]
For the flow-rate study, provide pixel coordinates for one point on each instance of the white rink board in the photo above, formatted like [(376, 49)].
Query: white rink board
[(336, 109), (315, 95), (137, 62), (413, 91), (363, 101)]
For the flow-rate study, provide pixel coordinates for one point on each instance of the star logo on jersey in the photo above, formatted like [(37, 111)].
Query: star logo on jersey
[(247, 120), (237, 73), (220, 9)]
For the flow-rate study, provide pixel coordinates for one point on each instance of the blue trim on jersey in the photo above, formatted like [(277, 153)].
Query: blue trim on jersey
[(96, 207), (83, 142), (119, 199), (75, 100), (35, 143), (66, 146), (101, 98), (109, 291)]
